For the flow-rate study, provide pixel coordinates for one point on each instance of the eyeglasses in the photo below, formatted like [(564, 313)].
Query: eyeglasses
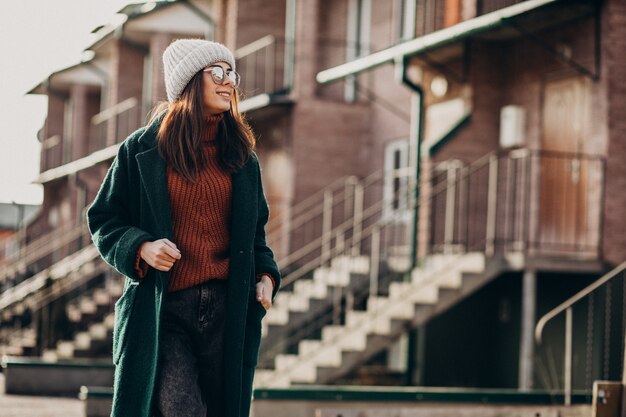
[(219, 75)]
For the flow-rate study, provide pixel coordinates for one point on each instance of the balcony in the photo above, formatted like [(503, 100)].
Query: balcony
[(542, 205), (112, 126), (266, 69)]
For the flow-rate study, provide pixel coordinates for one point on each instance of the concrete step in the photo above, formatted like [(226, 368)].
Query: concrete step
[(375, 329)]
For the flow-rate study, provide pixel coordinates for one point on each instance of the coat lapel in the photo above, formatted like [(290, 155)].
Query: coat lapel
[(153, 173), (243, 209)]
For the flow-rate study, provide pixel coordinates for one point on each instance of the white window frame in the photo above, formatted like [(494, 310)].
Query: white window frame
[(397, 172), (357, 39), (404, 20)]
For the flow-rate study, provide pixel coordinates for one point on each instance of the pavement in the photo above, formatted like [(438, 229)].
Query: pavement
[(29, 406)]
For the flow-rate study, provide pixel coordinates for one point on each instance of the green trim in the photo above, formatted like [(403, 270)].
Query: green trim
[(419, 394), (446, 137), (437, 39), (396, 394), (27, 362)]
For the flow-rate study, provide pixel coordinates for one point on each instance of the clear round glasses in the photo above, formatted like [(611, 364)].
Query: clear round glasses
[(219, 75)]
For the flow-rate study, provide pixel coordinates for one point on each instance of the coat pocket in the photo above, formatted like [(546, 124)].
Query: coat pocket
[(256, 312), (123, 313)]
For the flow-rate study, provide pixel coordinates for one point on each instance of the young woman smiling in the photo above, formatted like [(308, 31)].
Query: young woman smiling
[(181, 213)]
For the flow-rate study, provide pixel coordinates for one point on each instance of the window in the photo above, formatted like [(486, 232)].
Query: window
[(358, 37), (396, 193), (404, 20)]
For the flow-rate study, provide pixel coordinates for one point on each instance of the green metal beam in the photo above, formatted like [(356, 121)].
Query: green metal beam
[(433, 40)]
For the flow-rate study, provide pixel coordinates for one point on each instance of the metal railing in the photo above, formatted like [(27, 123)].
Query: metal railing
[(41, 252), (500, 203), (44, 272), (52, 152), (115, 123), (537, 202), (336, 221), (488, 6), (264, 66), (352, 218), (607, 344)]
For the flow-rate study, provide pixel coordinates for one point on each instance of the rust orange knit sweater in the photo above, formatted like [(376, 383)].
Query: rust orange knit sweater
[(200, 218)]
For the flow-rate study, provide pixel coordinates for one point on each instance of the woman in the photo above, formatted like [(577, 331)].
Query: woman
[(181, 213)]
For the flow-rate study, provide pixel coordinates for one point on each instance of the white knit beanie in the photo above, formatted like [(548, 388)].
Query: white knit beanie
[(185, 57)]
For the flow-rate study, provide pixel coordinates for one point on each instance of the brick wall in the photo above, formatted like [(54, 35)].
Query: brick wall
[(327, 140), (258, 18), (158, 43), (614, 68), (126, 81), (80, 121), (53, 127), (517, 72)]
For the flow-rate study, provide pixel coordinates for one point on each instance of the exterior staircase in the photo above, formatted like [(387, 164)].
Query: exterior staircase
[(443, 281), (91, 316), (33, 297), (311, 300)]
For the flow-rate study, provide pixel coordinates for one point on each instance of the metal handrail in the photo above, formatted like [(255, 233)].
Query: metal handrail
[(574, 299), (114, 110), (308, 207), (55, 271), (255, 46), (41, 247), (312, 206), (466, 171), (567, 307)]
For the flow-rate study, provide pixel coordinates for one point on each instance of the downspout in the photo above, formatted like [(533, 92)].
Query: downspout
[(415, 142), (416, 339)]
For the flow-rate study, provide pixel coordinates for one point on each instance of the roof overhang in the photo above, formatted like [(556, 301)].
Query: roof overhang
[(77, 165), (182, 18), (536, 14), (85, 73)]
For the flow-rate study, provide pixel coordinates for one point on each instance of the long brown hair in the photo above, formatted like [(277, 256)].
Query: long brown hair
[(179, 137)]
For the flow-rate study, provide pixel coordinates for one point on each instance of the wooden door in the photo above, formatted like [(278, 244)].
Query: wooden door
[(563, 197)]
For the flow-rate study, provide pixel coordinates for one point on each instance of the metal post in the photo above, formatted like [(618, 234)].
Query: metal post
[(374, 260), (448, 239), (253, 58), (569, 318), (270, 67), (289, 47), (337, 293), (327, 221), (357, 219), (623, 279), (340, 243), (492, 198), (527, 346)]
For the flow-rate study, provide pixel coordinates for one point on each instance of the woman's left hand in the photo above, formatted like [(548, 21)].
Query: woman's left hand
[(264, 290)]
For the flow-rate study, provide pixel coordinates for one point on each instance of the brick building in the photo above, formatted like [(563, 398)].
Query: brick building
[(507, 115)]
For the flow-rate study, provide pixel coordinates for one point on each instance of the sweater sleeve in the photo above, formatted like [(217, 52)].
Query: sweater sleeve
[(113, 233), (263, 256)]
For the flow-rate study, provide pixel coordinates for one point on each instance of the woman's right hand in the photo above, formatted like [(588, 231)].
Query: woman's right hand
[(160, 254)]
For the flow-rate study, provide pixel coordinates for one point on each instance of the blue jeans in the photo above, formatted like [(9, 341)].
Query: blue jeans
[(190, 381)]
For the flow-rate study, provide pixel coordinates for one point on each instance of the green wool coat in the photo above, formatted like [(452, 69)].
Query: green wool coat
[(131, 207)]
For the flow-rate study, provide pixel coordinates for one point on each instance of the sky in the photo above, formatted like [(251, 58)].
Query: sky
[(37, 37)]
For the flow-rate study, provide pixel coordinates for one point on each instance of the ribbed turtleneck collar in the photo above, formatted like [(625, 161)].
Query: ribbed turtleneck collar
[(209, 130)]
